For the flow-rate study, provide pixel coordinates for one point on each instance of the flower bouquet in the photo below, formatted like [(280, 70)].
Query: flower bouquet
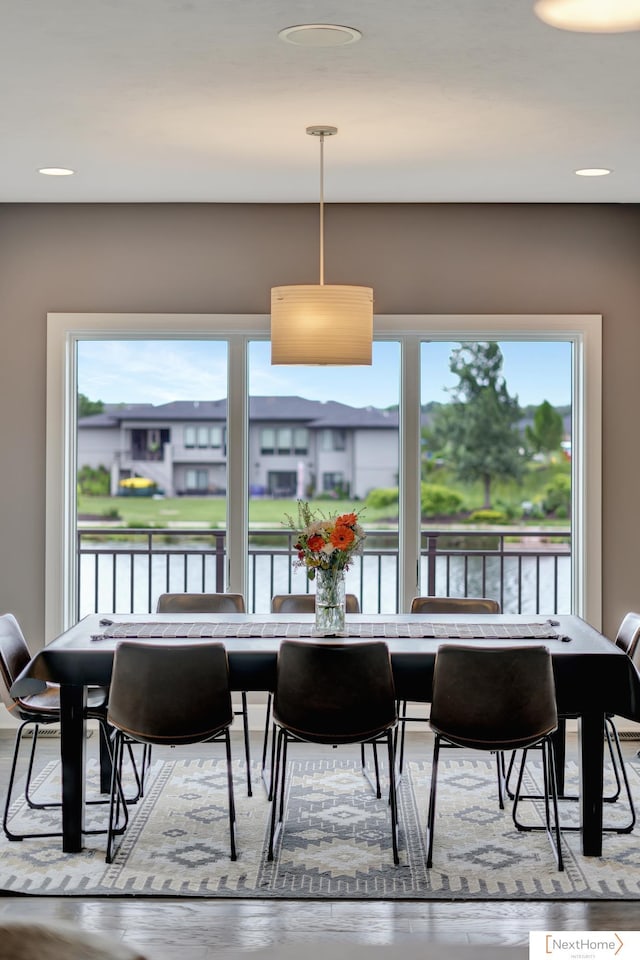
[(326, 546)]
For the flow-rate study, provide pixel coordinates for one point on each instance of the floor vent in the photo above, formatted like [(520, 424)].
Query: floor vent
[(51, 733), (629, 734)]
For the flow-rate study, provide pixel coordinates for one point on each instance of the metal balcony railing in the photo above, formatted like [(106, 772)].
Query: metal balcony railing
[(125, 570)]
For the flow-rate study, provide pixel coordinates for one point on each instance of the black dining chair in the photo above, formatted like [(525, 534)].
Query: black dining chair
[(438, 605), (213, 603), (194, 707), (299, 603), (627, 639), (496, 698), (306, 603), (329, 693), (40, 709)]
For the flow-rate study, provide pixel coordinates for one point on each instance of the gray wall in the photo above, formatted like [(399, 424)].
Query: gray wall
[(447, 258)]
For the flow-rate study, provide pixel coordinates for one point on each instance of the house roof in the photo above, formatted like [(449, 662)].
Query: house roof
[(316, 413)]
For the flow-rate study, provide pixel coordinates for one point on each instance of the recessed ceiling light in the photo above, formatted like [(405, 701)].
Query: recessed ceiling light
[(56, 171), (319, 35), (590, 16), (593, 172)]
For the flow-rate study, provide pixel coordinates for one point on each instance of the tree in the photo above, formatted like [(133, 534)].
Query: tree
[(86, 407), (547, 430), (478, 429)]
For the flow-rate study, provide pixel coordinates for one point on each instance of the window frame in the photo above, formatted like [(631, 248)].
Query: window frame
[(64, 330)]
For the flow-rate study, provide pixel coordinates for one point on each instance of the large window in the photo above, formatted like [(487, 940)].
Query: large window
[(243, 338)]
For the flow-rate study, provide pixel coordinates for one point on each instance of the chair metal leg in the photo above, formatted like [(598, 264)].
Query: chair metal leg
[(620, 774), (117, 800), (501, 782), (232, 807), (431, 814), (31, 803), (615, 745), (247, 745), (393, 802), (550, 794), (548, 753), (277, 787), (12, 775), (374, 784), (269, 728)]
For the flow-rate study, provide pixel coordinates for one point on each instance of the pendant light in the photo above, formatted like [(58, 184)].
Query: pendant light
[(590, 16), (321, 324)]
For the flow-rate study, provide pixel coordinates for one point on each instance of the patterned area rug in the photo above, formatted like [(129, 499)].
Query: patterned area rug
[(336, 841)]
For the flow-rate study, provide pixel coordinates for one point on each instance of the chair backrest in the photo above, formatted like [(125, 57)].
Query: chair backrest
[(628, 636), (200, 603), (14, 655), (334, 693), (306, 603), (493, 697), (454, 605), (176, 693)]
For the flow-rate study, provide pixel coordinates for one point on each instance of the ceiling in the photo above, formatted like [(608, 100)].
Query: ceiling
[(199, 100)]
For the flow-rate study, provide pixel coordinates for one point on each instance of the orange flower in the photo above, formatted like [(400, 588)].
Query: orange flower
[(347, 520), (315, 543), (342, 536)]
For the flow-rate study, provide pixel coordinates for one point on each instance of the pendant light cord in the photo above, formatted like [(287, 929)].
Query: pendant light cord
[(322, 209)]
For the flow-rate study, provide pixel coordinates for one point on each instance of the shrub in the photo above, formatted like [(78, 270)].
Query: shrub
[(486, 516), (437, 501), (557, 496), (93, 481), (382, 497)]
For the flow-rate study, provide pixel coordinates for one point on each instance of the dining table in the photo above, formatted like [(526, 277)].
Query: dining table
[(593, 676)]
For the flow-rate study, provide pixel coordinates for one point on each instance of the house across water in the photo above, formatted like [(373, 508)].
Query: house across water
[(297, 447)]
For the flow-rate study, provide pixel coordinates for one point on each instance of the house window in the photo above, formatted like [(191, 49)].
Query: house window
[(301, 441), (189, 437), (285, 439), (217, 435), (267, 441), (334, 439), (203, 437), (197, 480), (332, 482)]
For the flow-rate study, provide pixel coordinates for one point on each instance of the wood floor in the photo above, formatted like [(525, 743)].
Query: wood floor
[(203, 929)]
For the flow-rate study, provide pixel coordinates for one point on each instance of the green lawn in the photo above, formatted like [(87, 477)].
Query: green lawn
[(145, 511)]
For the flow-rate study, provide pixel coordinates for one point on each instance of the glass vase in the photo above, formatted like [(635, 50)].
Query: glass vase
[(329, 602)]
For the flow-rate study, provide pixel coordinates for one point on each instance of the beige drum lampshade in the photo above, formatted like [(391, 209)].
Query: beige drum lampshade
[(321, 324)]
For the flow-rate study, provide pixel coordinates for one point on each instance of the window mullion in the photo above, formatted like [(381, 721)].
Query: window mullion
[(409, 479), (237, 467)]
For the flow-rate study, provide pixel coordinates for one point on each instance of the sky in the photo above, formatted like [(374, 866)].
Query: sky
[(160, 371)]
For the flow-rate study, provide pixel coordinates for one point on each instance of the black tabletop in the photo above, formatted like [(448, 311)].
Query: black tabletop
[(591, 673)]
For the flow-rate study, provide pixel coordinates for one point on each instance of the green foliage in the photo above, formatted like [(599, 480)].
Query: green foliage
[(87, 408), (547, 430), (486, 516), (557, 496), (439, 501), (382, 497), (477, 431), (93, 482)]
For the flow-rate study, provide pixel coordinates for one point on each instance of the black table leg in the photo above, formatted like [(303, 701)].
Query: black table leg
[(560, 751), (72, 745), (105, 764), (591, 782)]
